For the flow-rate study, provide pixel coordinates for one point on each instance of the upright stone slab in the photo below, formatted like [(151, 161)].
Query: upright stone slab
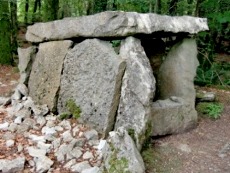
[(138, 87), (172, 116), (92, 78), (114, 24), (26, 57), (45, 76), (176, 74)]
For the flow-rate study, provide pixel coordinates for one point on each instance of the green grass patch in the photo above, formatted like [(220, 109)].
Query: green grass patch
[(211, 110)]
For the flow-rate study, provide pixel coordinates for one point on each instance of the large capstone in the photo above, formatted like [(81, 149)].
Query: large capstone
[(114, 24), (92, 79), (138, 86), (45, 76), (172, 116), (176, 74)]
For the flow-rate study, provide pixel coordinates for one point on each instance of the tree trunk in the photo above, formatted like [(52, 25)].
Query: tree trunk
[(14, 26), (111, 5), (51, 10), (37, 7), (5, 43), (100, 6), (26, 12), (157, 8), (198, 2), (173, 7)]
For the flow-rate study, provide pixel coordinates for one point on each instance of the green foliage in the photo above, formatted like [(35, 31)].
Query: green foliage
[(73, 110), (116, 43), (212, 110), (117, 165), (5, 34), (216, 74)]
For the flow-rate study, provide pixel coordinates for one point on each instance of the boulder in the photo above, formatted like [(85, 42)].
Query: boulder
[(26, 57), (92, 80), (138, 86), (172, 116), (114, 24), (45, 76), (177, 72), (120, 153)]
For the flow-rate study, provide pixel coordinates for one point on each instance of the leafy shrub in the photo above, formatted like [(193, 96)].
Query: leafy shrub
[(73, 110), (212, 110)]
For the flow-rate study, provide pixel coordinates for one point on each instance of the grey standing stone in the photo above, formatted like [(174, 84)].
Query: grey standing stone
[(120, 152), (138, 87), (176, 74), (172, 116), (12, 166), (92, 79), (26, 58), (48, 66), (112, 24)]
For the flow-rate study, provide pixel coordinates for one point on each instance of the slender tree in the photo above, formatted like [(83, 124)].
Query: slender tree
[(14, 25), (5, 34), (157, 8), (173, 7), (51, 10), (26, 12)]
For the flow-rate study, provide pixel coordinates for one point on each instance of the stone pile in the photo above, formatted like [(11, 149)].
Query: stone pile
[(124, 87), (49, 141)]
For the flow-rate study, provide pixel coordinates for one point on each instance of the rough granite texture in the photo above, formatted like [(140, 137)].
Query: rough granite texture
[(138, 87), (26, 57), (92, 78), (45, 76), (176, 74), (172, 116), (114, 24)]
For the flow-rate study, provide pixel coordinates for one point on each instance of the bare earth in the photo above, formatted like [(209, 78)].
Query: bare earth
[(205, 149)]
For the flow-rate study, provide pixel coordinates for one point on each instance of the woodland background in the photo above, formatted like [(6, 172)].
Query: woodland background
[(213, 45)]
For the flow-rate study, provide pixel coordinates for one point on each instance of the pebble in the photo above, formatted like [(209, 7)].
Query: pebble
[(87, 155), (91, 135), (4, 126), (10, 143), (79, 167)]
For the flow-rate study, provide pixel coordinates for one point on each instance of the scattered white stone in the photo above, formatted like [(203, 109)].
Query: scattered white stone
[(87, 155), (40, 110), (36, 138), (23, 90), (41, 120), (43, 164), (79, 167), (16, 96), (61, 152), (11, 166), (80, 142), (75, 131), (34, 152), (91, 170), (13, 127), (8, 135), (91, 135), (76, 152), (29, 103), (44, 146), (31, 163), (10, 143), (59, 128), (51, 118), (56, 143), (65, 124), (20, 148), (4, 126), (18, 120), (70, 163), (48, 130), (67, 137)]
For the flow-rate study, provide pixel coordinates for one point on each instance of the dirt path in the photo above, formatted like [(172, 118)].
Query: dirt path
[(205, 149)]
